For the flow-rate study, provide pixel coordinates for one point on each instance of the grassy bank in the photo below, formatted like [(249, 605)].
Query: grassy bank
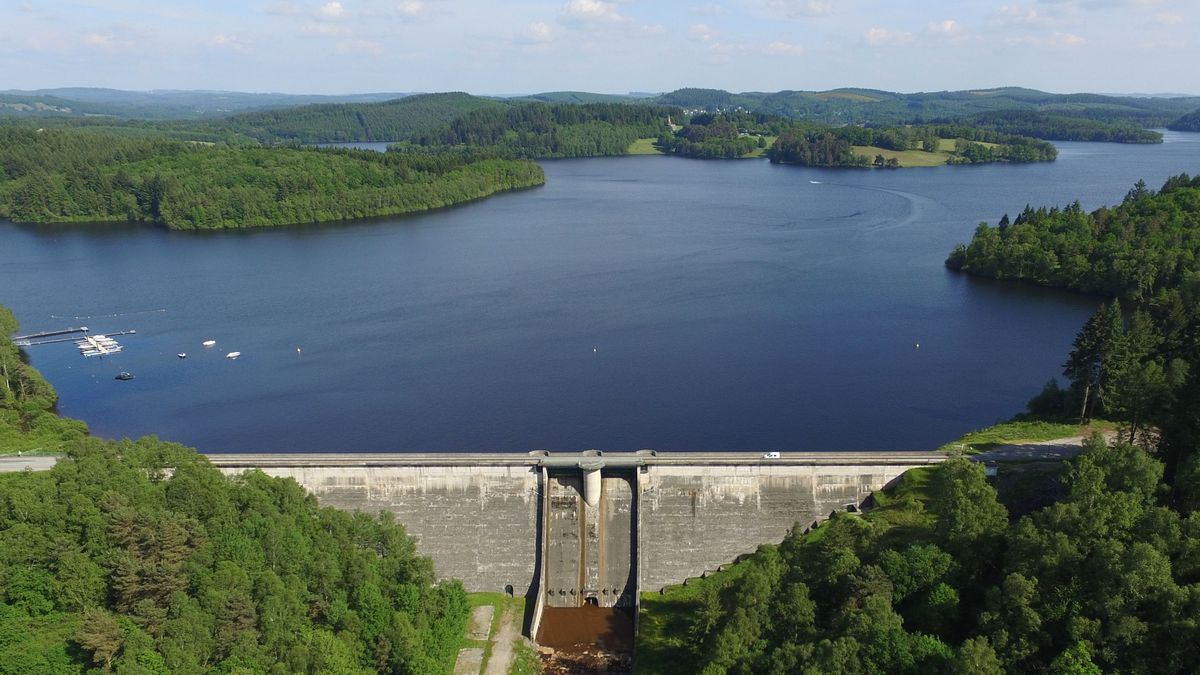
[(907, 158), (1016, 431), (643, 146)]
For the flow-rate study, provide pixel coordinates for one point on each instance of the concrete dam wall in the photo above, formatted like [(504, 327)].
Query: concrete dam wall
[(694, 518), (570, 529), (478, 523)]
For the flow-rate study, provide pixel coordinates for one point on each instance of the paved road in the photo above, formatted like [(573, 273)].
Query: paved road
[(553, 459), (572, 458), (10, 464)]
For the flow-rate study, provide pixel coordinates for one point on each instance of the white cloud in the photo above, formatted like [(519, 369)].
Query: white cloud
[(592, 11), (1056, 39), (330, 11), (319, 29), (230, 42), (368, 47), (709, 9), (103, 41), (285, 9), (784, 48), (945, 27), (1020, 15), (882, 37), (118, 37), (1169, 18), (539, 31), (411, 8), (701, 32), (795, 9)]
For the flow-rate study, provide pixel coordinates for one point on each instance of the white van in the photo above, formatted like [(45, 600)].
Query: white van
[(771, 455)]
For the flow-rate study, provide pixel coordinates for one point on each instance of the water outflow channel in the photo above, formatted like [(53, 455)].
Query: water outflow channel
[(590, 560)]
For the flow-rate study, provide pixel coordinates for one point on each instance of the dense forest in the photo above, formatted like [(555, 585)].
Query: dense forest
[(1059, 127), (1189, 122), (140, 557), (60, 176), (815, 148), (883, 108), (1150, 241), (345, 122), (719, 136), (942, 579), (541, 131)]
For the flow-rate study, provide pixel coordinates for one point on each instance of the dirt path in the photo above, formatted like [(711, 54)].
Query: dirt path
[(502, 644), (1059, 448)]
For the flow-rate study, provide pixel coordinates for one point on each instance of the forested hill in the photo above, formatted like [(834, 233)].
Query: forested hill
[(538, 130), (63, 176), (1025, 112), (1150, 241), (873, 106), (344, 122), (83, 102), (1189, 122), (1060, 127)]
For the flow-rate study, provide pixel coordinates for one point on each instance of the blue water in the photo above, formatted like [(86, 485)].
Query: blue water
[(641, 302)]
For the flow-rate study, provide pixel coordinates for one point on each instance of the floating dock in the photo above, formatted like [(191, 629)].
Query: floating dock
[(98, 345), (89, 345)]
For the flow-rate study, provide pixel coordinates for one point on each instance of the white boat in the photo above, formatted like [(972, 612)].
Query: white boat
[(182, 355), (233, 355), (209, 343)]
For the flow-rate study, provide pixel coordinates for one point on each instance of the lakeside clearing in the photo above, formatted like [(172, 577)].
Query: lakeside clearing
[(916, 158), (644, 146)]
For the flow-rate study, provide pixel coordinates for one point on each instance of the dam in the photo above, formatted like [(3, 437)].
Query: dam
[(573, 530)]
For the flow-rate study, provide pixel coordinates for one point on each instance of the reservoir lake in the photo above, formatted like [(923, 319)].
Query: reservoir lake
[(633, 302)]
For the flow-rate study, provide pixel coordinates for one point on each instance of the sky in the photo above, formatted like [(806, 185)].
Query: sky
[(610, 46)]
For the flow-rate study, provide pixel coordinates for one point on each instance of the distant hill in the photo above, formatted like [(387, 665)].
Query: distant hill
[(158, 104), (348, 122), (575, 97), (1189, 122), (872, 106)]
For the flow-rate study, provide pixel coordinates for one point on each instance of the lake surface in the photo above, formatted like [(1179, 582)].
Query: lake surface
[(641, 302)]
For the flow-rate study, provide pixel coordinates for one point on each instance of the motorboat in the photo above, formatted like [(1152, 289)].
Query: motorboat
[(209, 343), (125, 376), (182, 355), (233, 355)]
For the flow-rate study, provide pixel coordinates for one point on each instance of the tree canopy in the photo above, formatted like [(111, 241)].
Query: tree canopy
[(70, 175), (140, 557)]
